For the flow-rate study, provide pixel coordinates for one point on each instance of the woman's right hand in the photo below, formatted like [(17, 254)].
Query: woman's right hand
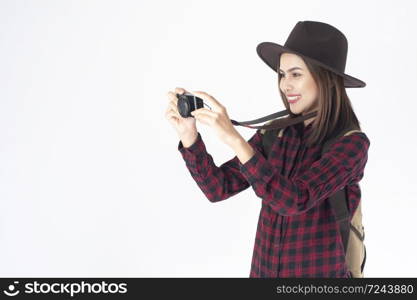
[(185, 127)]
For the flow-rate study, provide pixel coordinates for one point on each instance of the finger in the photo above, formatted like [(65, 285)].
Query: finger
[(170, 115), (172, 97), (175, 111), (203, 111), (207, 116), (179, 90), (173, 106), (169, 109), (210, 99), (205, 119)]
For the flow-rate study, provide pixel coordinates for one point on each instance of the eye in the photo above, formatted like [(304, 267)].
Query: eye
[(293, 74)]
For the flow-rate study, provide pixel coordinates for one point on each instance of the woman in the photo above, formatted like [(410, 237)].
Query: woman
[(297, 235)]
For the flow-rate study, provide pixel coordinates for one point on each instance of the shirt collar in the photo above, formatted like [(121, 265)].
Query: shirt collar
[(307, 130)]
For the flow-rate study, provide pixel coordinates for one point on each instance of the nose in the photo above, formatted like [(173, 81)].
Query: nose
[(285, 85)]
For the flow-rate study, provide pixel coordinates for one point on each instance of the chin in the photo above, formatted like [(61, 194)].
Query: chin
[(295, 111)]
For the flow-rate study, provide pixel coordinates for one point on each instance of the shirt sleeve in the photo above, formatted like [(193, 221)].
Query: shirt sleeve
[(217, 183), (341, 164)]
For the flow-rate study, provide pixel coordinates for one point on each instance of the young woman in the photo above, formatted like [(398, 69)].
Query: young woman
[(297, 234)]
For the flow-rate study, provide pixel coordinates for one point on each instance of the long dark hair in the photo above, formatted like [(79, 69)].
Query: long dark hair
[(334, 109)]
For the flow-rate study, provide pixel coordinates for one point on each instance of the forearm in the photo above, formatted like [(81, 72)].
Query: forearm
[(243, 150)]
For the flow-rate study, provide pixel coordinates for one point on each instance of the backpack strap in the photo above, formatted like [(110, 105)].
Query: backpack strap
[(339, 200), (269, 136)]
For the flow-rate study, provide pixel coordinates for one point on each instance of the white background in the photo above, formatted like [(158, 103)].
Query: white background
[(91, 181)]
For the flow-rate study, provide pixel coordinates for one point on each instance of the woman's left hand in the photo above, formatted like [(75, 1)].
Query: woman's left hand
[(217, 119)]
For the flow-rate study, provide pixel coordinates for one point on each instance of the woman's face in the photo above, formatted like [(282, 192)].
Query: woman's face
[(297, 84)]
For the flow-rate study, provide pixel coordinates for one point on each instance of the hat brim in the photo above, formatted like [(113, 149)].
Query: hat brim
[(270, 53)]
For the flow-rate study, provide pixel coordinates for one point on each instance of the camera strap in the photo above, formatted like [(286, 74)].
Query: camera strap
[(284, 120)]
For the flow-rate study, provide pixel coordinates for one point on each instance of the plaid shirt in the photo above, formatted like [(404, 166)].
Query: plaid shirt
[(297, 235)]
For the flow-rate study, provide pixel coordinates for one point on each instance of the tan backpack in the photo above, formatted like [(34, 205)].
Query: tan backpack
[(352, 231)]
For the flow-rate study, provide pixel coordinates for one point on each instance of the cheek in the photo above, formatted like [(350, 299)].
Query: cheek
[(280, 85), (311, 87)]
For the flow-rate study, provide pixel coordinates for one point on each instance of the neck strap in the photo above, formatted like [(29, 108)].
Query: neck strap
[(278, 123)]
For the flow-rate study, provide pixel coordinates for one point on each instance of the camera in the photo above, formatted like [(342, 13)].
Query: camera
[(188, 103)]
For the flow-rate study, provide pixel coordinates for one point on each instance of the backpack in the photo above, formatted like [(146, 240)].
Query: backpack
[(352, 232)]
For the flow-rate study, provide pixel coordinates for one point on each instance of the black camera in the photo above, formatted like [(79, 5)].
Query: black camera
[(188, 103)]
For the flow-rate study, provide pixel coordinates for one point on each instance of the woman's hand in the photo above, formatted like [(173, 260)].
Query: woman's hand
[(217, 118), (185, 127)]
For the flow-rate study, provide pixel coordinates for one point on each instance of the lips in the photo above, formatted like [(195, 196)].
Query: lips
[(293, 98)]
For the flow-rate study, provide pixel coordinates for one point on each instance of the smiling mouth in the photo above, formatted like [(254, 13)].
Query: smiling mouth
[(293, 99)]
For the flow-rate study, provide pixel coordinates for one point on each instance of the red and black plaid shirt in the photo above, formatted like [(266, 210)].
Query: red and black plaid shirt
[(297, 235)]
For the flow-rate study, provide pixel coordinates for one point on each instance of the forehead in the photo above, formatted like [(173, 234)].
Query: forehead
[(290, 60)]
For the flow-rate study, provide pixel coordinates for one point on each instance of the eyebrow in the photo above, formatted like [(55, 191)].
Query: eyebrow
[(292, 69)]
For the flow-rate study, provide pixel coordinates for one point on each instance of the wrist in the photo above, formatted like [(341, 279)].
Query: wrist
[(237, 143), (243, 150), (189, 139)]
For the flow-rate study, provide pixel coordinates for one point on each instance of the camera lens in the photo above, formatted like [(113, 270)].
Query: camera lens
[(187, 103), (183, 106)]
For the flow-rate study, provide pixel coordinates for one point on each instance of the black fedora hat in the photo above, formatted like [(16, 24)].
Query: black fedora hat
[(317, 42)]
